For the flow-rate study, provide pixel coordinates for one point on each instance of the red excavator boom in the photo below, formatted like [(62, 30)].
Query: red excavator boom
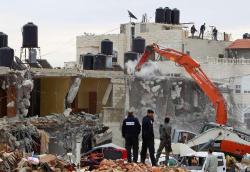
[(195, 71)]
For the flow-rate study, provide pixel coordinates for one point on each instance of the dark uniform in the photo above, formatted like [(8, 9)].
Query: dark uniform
[(131, 129), (193, 30), (215, 33), (202, 30), (148, 140)]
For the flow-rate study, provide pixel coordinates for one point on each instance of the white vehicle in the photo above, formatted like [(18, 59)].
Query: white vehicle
[(196, 162)]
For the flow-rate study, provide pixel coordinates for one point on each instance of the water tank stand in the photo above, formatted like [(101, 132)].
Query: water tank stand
[(29, 55)]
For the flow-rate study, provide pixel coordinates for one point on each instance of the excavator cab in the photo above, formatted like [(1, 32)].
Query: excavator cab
[(208, 126)]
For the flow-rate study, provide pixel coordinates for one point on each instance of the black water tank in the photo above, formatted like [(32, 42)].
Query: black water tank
[(139, 44), (6, 56), (168, 15), (130, 56), (107, 47), (30, 35), (246, 36), (99, 62), (175, 16), (3, 40), (88, 61), (160, 15)]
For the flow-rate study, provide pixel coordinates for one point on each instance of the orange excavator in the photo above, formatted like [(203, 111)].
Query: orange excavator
[(219, 135)]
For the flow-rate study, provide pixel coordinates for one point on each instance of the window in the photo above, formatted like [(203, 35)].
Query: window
[(237, 91), (185, 136), (221, 55), (220, 161), (237, 88)]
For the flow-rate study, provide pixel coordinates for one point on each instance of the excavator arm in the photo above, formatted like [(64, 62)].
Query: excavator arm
[(195, 71)]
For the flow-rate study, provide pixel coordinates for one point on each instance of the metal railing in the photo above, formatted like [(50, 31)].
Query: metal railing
[(208, 35), (216, 60)]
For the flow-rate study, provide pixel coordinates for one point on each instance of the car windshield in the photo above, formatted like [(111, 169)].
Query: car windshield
[(193, 162)]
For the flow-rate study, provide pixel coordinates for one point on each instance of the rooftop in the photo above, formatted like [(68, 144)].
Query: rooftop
[(240, 44)]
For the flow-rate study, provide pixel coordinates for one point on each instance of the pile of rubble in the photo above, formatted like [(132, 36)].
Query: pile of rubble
[(17, 161), (122, 166), (36, 134), (18, 135)]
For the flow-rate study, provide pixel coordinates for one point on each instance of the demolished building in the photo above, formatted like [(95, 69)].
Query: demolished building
[(211, 54)]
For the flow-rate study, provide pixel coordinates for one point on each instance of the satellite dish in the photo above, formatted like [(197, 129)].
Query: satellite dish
[(131, 15)]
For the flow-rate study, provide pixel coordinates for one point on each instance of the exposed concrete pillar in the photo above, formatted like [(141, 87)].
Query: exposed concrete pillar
[(73, 90)]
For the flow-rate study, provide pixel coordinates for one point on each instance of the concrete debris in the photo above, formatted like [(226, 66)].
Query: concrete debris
[(17, 161), (173, 97), (9, 161), (19, 136), (156, 88), (44, 141), (24, 87), (11, 104), (122, 166), (28, 83), (26, 134), (67, 112), (3, 85)]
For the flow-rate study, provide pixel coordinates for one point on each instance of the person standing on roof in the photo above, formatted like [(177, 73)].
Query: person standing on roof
[(202, 30), (165, 140), (193, 30), (215, 33), (131, 129), (212, 162), (148, 137)]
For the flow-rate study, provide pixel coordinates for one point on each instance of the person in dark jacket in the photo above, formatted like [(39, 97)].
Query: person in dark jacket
[(215, 33), (131, 129), (165, 140), (193, 30), (148, 137), (202, 30)]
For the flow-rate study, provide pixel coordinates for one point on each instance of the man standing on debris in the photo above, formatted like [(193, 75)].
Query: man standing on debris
[(165, 140), (193, 30), (148, 137), (131, 129), (202, 30), (212, 162)]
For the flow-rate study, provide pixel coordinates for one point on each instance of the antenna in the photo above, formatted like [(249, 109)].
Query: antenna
[(144, 18)]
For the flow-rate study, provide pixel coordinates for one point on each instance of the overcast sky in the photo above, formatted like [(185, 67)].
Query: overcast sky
[(60, 21)]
